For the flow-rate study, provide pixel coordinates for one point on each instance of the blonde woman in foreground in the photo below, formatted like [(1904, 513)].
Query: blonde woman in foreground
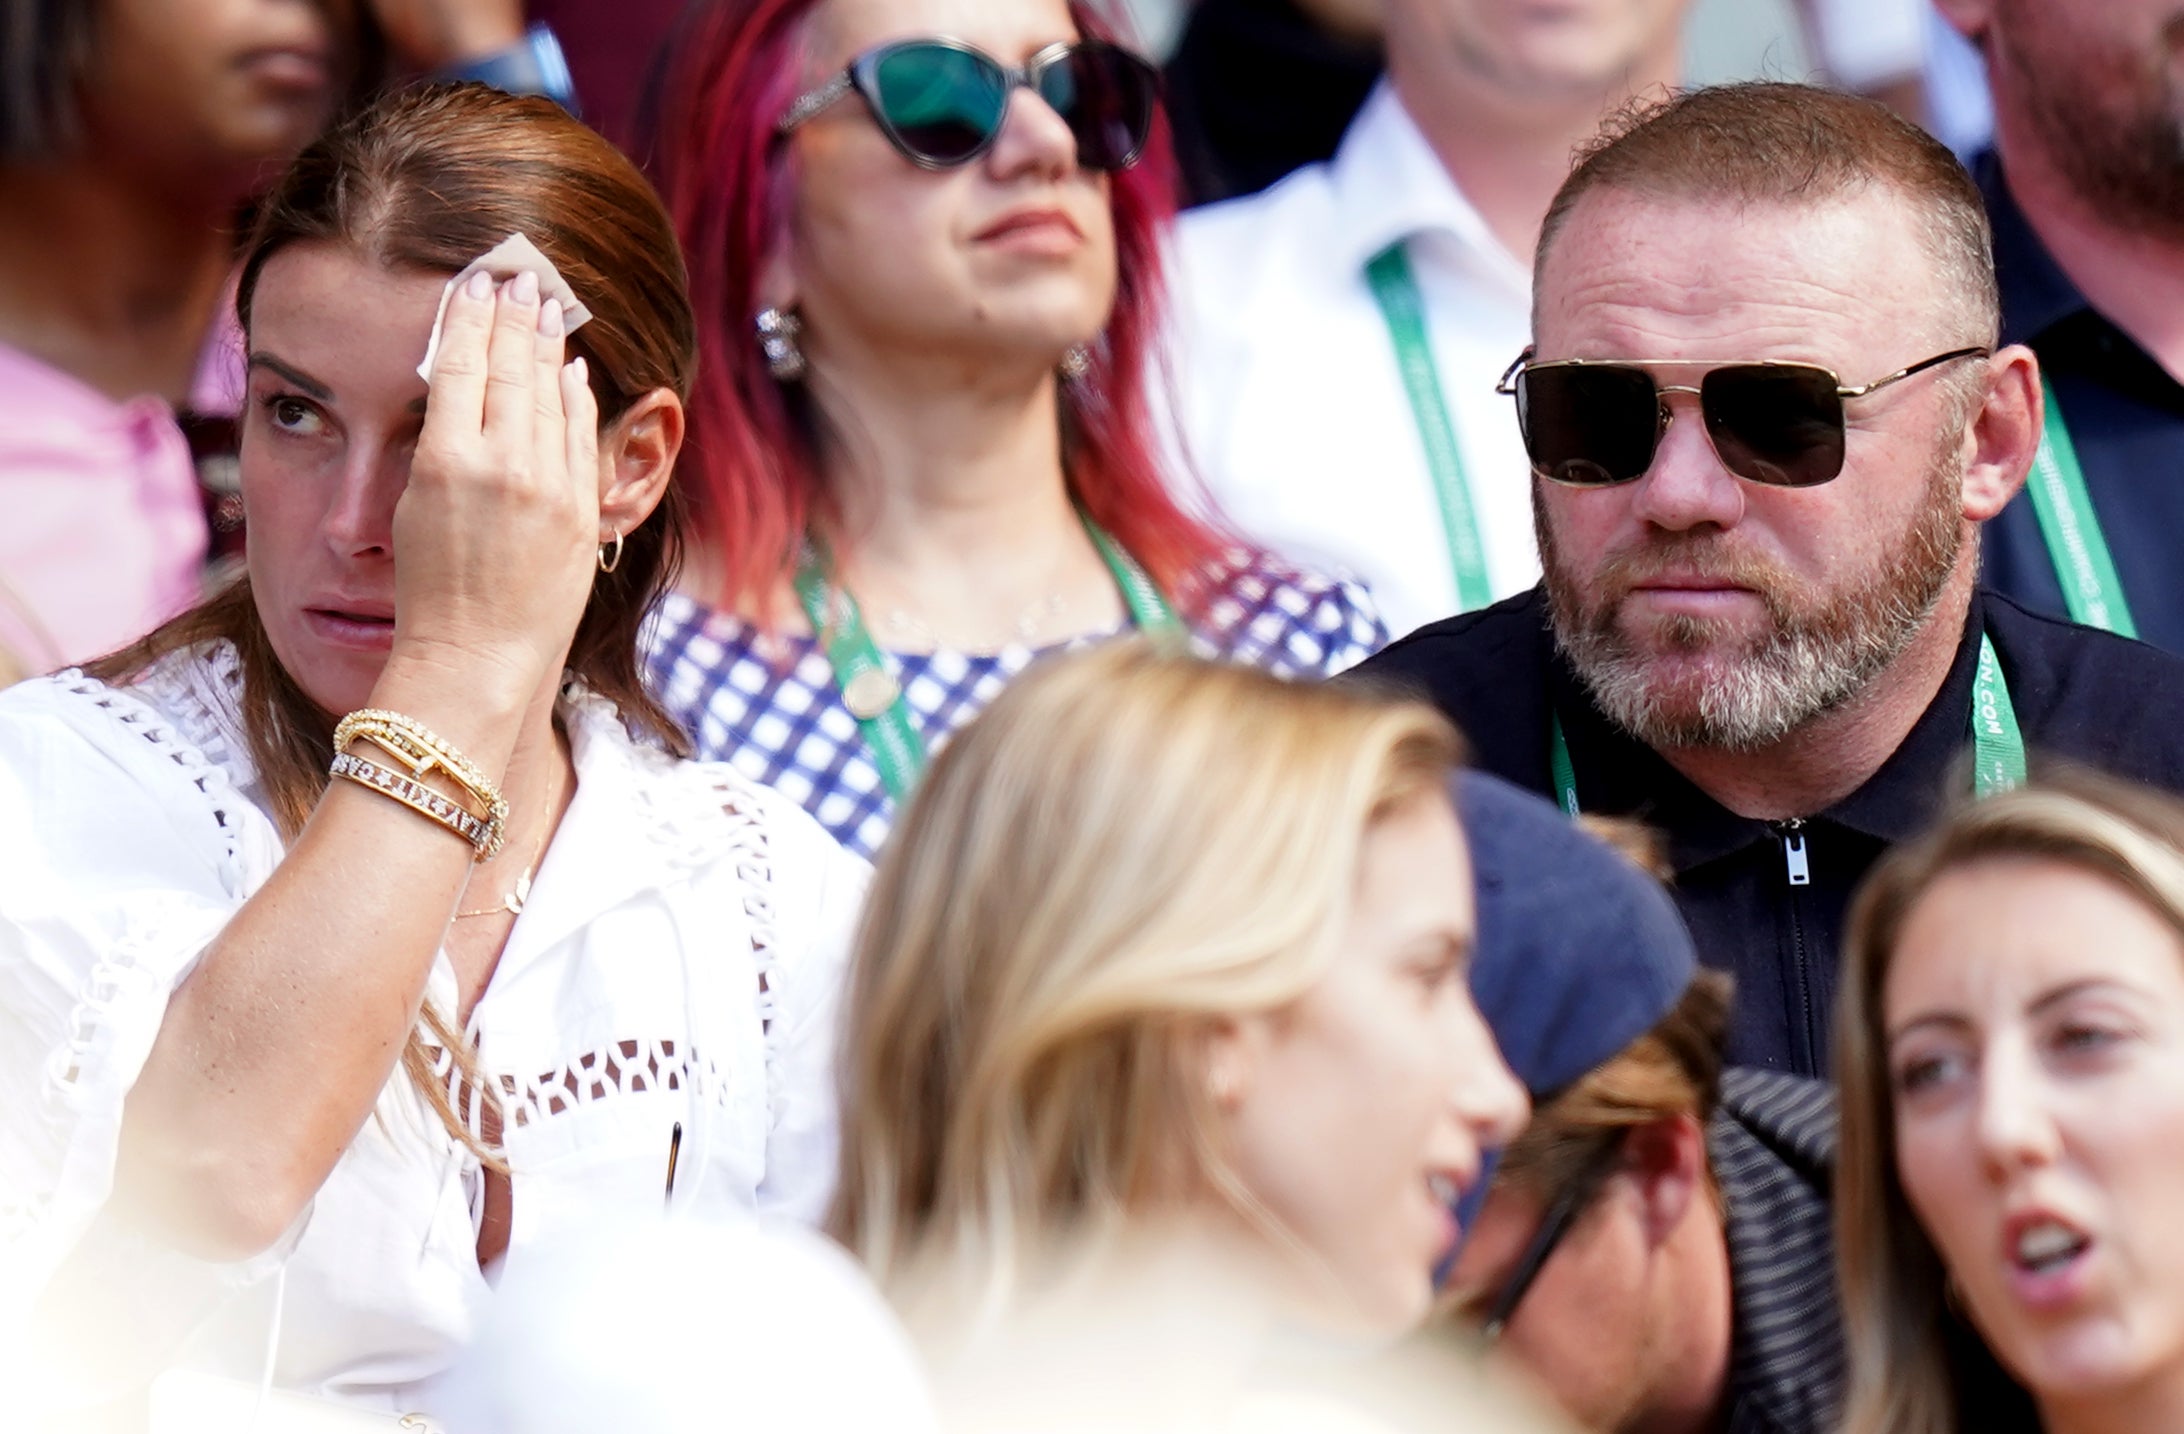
[(1161, 1000), (2012, 1060)]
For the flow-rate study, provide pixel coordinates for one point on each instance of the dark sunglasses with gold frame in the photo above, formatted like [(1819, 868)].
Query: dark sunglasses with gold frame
[(1591, 423)]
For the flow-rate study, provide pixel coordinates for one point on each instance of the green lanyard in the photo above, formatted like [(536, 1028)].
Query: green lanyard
[(1998, 745), (1404, 310), (2091, 589), (875, 698)]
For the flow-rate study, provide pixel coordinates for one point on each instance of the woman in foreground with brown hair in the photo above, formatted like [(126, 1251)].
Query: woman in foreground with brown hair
[(385, 804), (2011, 1052), (1170, 957)]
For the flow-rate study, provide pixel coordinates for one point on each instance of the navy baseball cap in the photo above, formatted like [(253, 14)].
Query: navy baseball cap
[(1579, 952)]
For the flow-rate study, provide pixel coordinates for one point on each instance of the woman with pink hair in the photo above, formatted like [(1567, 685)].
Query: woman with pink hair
[(924, 241)]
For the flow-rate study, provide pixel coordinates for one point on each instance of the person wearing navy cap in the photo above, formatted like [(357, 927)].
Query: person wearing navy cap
[(1654, 1251)]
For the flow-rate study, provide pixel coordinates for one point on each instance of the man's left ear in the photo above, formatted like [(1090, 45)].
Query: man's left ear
[(1666, 1159), (636, 458), (2002, 434)]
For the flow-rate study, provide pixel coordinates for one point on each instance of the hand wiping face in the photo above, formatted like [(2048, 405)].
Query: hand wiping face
[(512, 256)]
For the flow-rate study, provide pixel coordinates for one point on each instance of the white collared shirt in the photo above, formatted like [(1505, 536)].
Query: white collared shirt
[(1290, 402), (679, 962)]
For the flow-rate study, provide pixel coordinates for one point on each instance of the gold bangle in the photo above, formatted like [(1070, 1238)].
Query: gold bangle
[(421, 749), (427, 802), (416, 744), (421, 764)]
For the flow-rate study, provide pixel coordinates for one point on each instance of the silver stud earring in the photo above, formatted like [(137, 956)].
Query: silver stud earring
[(778, 330), (610, 554), (1076, 362)]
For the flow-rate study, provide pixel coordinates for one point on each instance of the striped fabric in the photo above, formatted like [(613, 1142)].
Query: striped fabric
[(769, 704), (1772, 1142)]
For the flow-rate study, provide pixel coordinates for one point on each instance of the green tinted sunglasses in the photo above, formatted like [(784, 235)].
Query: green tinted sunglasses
[(942, 103)]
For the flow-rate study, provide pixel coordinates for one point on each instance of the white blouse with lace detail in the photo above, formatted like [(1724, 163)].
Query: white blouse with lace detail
[(680, 960)]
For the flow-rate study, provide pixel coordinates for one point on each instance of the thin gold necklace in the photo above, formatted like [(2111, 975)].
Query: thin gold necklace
[(511, 904)]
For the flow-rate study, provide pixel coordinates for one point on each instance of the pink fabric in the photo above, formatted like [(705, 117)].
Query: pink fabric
[(102, 532), (221, 380)]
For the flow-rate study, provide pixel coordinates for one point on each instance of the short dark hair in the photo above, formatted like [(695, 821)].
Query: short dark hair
[(1769, 142)]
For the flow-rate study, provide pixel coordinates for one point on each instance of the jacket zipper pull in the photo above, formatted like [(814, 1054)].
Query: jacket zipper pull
[(1793, 853)]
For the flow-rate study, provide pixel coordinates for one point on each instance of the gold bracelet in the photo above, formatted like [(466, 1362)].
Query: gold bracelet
[(480, 804), (421, 749), (415, 743), (427, 802)]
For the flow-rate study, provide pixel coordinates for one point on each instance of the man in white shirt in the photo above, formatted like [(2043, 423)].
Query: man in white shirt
[(1310, 432)]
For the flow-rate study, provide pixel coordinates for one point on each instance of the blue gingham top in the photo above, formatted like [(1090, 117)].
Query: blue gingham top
[(769, 704)]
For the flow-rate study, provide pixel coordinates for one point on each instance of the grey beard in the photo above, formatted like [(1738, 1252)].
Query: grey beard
[(1808, 663), (1798, 672)]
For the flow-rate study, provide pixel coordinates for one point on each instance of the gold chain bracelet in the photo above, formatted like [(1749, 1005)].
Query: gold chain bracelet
[(422, 750)]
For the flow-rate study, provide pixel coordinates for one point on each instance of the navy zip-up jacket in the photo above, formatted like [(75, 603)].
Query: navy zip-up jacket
[(2082, 695)]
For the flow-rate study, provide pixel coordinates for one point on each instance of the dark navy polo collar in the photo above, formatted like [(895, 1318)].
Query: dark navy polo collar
[(2043, 308), (2036, 293), (1619, 773)]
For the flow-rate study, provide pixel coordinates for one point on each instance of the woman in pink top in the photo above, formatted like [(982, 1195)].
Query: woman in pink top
[(131, 133)]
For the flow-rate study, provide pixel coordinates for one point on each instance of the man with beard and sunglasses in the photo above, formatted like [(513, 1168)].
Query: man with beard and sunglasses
[(1765, 417), (2085, 187)]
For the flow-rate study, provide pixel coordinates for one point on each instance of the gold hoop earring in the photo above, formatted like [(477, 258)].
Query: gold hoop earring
[(608, 562)]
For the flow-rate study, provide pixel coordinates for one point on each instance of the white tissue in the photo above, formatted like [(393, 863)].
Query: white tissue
[(512, 256)]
